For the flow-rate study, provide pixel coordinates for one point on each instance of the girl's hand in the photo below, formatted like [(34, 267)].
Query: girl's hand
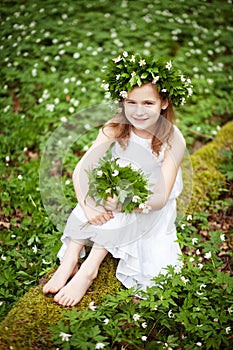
[(97, 215), (112, 204)]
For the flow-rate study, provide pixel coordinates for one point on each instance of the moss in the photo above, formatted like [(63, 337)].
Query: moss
[(27, 325), (208, 181)]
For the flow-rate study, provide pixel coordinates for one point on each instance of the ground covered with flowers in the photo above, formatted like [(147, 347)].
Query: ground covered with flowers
[(52, 60)]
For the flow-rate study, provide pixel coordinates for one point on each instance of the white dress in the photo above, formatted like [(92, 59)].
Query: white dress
[(143, 243)]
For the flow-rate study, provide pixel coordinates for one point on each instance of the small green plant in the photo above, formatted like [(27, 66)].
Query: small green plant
[(226, 166)]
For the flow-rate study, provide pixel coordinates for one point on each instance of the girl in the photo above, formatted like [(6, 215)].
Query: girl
[(143, 134)]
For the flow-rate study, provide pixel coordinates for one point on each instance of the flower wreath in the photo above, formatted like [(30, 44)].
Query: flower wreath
[(128, 70)]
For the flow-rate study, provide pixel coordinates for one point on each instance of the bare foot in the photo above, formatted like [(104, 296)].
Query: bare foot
[(59, 278), (73, 292)]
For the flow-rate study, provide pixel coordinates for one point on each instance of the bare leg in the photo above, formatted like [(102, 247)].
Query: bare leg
[(67, 268), (73, 292)]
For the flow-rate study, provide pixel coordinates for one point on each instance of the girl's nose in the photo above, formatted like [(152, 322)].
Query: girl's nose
[(139, 110)]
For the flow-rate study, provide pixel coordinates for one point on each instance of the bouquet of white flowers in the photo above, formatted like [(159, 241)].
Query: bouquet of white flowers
[(129, 184)]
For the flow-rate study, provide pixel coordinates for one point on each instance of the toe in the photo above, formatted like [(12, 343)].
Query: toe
[(64, 301), (74, 302), (45, 290), (70, 302), (58, 296)]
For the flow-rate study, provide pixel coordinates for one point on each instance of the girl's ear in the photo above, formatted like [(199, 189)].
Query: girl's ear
[(164, 104)]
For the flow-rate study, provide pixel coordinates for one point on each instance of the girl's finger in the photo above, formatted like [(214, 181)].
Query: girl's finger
[(102, 219), (112, 199), (108, 206)]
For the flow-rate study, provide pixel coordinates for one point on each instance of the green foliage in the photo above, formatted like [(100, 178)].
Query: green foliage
[(189, 307), (226, 164), (129, 184), (24, 259)]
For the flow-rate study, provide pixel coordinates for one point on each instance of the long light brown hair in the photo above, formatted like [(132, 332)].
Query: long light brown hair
[(163, 128)]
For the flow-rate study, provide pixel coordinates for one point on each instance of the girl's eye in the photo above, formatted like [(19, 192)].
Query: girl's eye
[(148, 103)]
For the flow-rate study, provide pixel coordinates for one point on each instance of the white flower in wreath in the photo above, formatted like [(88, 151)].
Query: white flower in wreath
[(190, 91), (124, 94), (99, 173), (115, 173), (183, 101), (125, 54), (154, 81)]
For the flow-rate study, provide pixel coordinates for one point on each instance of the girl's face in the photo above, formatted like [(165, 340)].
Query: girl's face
[(142, 108)]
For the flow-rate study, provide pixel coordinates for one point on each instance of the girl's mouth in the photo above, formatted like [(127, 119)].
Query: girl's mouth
[(140, 120)]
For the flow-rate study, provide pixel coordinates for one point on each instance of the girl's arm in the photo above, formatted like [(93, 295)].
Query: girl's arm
[(173, 158), (97, 215)]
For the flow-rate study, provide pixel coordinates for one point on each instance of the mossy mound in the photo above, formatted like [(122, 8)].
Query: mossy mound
[(26, 325), (208, 181)]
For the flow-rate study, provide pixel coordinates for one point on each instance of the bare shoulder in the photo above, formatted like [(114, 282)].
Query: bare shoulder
[(177, 146), (177, 138)]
